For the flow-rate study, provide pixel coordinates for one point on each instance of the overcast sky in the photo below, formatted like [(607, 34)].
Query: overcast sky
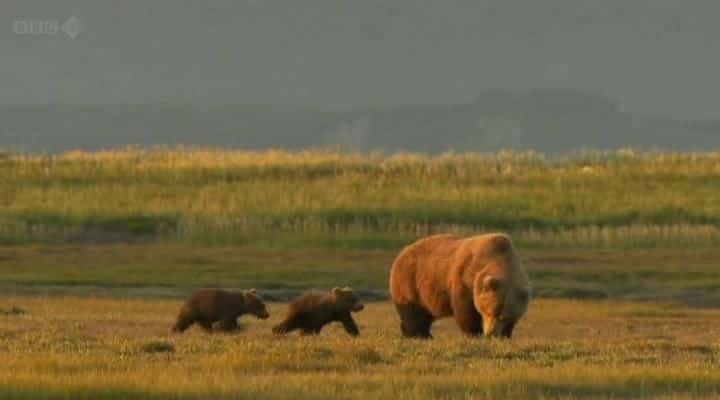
[(655, 56)]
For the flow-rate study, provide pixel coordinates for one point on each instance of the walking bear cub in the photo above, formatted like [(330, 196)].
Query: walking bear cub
[(478, 280), (209, 306), (311, 311)]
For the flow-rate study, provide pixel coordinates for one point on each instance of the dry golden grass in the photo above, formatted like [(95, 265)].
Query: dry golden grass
[(99, 348)]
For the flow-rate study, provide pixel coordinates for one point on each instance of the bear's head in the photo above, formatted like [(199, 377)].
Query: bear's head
[(254, 304), (501, 303), (346, 299)]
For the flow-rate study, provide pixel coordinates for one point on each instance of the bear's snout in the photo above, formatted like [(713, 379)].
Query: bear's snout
[(263, 315), (358, 307)]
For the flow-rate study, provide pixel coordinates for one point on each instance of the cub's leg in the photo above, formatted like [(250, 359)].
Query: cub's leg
[(307, 331)]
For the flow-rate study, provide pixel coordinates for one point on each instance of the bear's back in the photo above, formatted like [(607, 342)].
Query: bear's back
[(439, 251), (421, 269), (213, 302), (429, 262), (429, 247)]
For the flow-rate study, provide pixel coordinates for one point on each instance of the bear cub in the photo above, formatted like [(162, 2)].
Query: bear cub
[(209, 306), (311, 311)]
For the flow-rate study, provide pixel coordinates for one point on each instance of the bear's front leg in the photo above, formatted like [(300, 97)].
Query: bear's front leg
[(507, 329), (466, 317)]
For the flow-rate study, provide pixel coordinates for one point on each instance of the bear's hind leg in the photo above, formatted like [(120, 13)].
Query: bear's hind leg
[(310, 331), (206, 325), (416, 321), (287, 326), (184, 320), (182, 324), (228, 325)]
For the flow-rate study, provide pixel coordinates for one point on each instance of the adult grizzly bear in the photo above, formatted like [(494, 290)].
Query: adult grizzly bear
[(311, 311), (209, 306), (479, 280)]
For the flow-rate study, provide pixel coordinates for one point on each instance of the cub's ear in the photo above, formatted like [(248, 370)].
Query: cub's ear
[(491, 283), (252, 291), (337, 291)]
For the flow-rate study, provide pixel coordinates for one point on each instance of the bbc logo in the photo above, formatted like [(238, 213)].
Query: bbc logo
[(51, 27)]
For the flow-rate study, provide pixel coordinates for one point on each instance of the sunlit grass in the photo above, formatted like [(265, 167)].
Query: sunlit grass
[(97, 348)]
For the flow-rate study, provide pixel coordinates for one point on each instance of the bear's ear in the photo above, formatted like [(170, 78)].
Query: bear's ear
[(491, 283), (252, 291), (337, 291)]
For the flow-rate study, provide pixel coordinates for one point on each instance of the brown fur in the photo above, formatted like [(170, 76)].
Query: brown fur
[(479, 280), (210, 306), (311, 311)]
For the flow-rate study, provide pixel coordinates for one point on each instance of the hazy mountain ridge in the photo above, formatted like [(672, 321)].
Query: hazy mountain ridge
[(549, 120)]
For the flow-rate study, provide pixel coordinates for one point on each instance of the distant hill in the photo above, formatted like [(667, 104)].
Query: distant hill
[(548, 120)]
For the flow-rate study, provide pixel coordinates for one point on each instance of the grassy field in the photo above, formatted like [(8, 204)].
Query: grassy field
[(329, 199), (97, 251), (99, 348), (91, 322)]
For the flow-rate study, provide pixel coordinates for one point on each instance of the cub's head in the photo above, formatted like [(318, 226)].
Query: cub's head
[(500, 303), (346, 299), (254, 304)]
